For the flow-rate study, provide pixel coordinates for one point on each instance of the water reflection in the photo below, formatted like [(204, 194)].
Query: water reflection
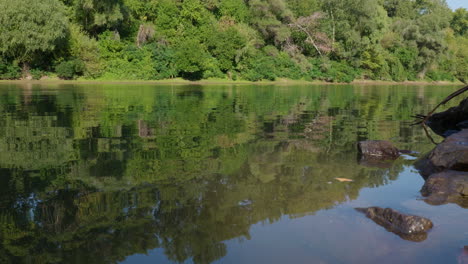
[(93, 174)]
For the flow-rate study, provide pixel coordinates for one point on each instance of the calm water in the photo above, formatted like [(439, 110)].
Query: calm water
[(212, 174)]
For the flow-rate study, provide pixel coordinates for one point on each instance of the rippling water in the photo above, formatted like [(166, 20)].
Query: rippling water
[(212, 174)]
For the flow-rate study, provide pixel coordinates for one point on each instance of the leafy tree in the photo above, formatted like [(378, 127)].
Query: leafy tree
[(31, 28), (191, 58), (70, 69), (459, 22), (86, 50), (303, 7), (270, 18), (144, 10), (8, 70), (224, 45), (236, 9), (164, 61), (96, 16), (400, 8)]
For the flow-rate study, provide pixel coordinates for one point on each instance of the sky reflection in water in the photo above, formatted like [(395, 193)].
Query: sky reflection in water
[(214, 174)]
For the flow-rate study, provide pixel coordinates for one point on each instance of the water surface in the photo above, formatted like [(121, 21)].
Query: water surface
[(212, 174)]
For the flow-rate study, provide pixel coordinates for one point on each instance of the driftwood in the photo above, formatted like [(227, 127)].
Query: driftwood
[(422, 119)]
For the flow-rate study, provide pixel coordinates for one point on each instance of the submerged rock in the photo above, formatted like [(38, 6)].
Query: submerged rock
[(408, 227), (447, 187), (450, 121), (378, 149), (373, 162)]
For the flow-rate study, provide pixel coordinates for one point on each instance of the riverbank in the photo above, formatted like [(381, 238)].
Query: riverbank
[(180, 81)]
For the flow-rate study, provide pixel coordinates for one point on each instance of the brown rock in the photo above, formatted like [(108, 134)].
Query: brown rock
[(425, 166), (452, 153), (378, 149), (447, 187), (408, 227)]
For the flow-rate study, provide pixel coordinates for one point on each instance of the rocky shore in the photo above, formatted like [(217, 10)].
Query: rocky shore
[(444, 169)]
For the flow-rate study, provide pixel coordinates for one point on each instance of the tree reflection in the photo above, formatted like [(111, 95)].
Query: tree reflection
[(96, 175)]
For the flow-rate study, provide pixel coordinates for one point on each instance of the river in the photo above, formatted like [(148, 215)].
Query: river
[(141, 173)]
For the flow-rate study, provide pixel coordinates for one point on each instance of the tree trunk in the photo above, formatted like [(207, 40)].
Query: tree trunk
[(333, 29), (25, 71), (422, 73)]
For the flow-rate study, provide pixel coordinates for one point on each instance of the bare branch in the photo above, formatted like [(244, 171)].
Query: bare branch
[(310, 26)]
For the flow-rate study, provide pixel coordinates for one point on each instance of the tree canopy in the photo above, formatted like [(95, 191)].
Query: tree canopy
[(31, 28), (330, 40)]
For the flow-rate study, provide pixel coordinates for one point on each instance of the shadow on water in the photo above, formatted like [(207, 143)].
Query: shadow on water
[(93, 174)]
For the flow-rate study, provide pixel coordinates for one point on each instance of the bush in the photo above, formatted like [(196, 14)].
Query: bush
[(271, 64), (69, 70), (36, 74), (436, 75), (85, 49), (397, 70), (9, 71), (260, 68), (191, 59), (342, 72), (332, 71), (163, 61), (131, 63)]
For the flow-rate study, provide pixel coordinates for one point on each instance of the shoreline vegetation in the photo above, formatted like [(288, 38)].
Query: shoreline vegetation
[(180, 81), (312, 41)]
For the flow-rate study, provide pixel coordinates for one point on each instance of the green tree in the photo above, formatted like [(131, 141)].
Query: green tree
[(459, 22), (143, 10), (224, 46), (31, 28), (86, 50), (191, 59), (271, 18), (303, 7), (400, 8), (96, 16), (236, 9), (355, 25)]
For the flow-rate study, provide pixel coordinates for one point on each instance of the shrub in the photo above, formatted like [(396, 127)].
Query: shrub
[(397, 70), (36, 74), (260, 68), (163, 61), (130, 63), (437, 75), (69, 70), (342, 72), (9, 71), (333, 71), (271, 64), (85, 49)]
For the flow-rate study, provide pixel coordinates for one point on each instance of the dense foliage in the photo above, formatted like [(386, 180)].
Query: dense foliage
[(331, 40)]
